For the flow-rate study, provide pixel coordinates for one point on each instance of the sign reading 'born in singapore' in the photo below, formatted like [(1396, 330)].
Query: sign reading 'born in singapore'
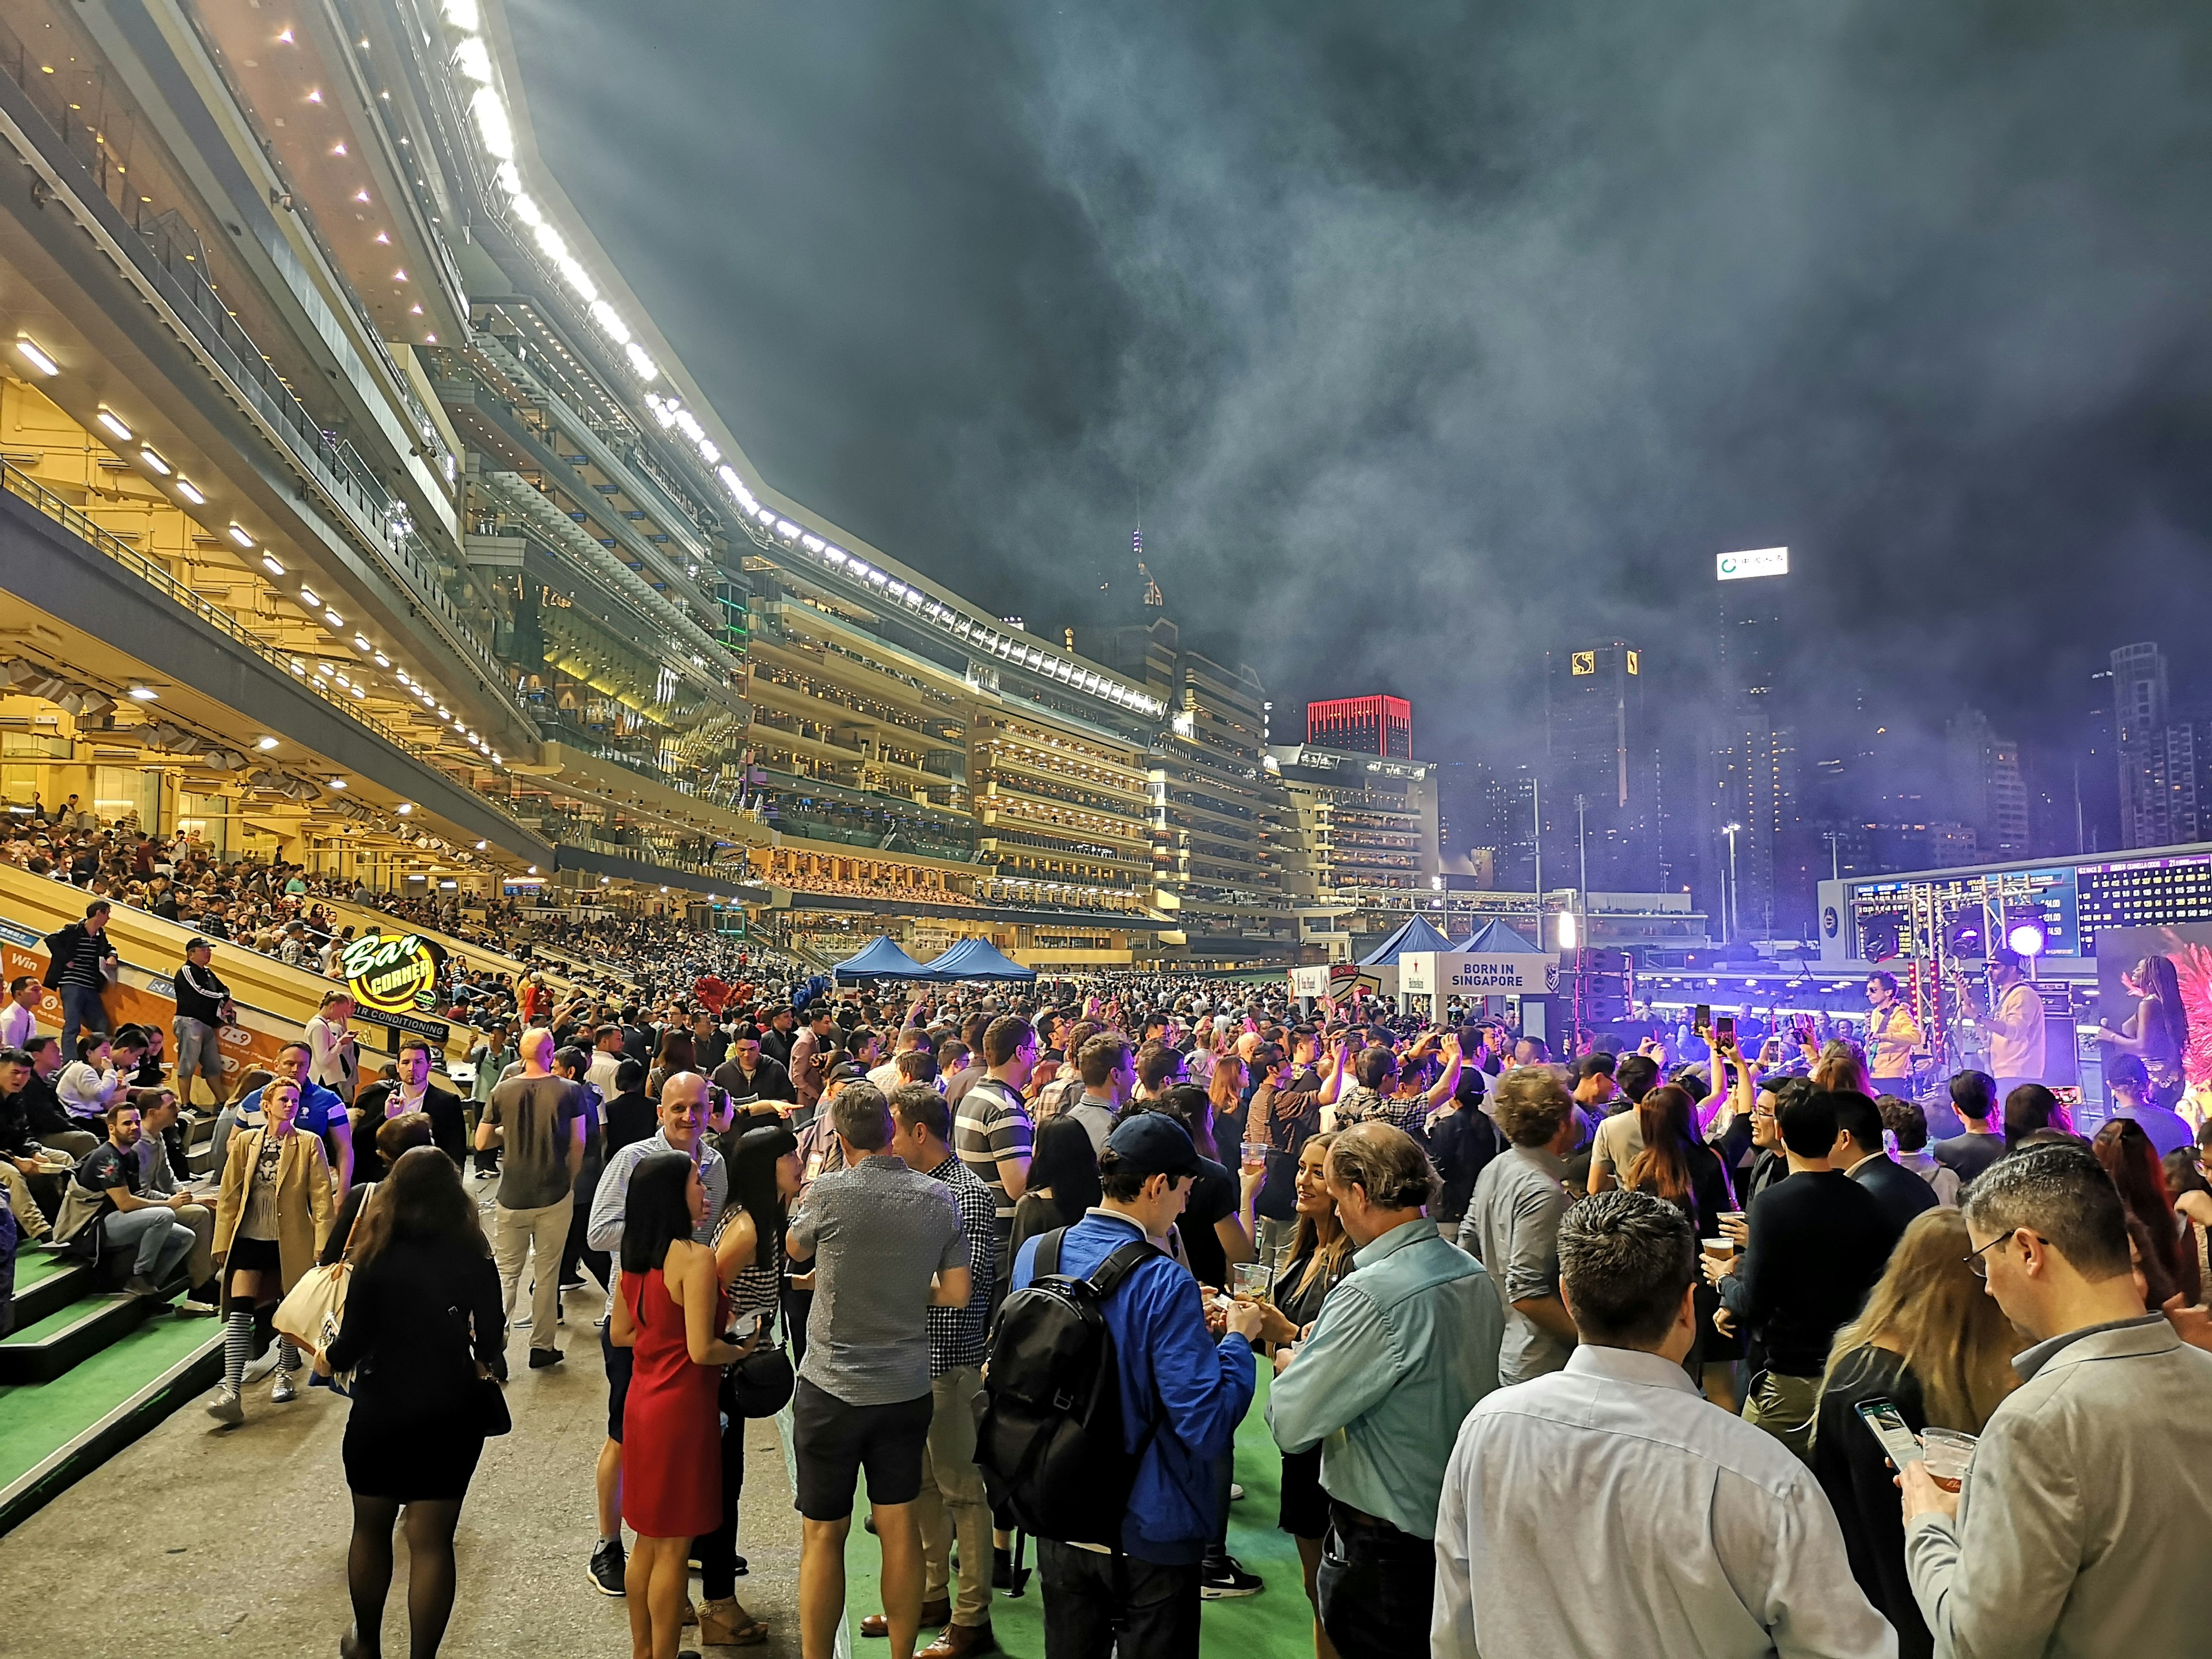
[(393, 973)]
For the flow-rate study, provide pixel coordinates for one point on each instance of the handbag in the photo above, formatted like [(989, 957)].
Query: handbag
[(313, 1311), (762, 1383), (492, 1418)]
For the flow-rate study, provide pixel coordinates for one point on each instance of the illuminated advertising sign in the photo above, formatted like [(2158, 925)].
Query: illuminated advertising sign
[(1760, 561), (392, 972)]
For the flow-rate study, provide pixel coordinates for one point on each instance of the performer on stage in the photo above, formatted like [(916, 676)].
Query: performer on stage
[(1892, 1032), (2014, 1022)]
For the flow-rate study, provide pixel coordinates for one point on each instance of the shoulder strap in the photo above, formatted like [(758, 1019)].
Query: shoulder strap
[(367, 1194), (1118, 1266), (1047, 1259)]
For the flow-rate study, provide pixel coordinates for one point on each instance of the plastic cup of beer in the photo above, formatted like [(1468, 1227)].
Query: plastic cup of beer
[(1251, 1279), (1949, 1454), (1254, 1151), (1721, 1248)]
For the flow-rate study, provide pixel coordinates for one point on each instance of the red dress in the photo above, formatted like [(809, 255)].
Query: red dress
[(671, 1424)]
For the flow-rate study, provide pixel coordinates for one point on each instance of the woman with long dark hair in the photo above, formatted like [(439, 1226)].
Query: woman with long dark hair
[(669, 1311), (679, 1053), (763, 1164), (1678, 1166), (2157, 1032), (2132, 1161), (1319, 1257), (424, 1329), (1063, 1182)]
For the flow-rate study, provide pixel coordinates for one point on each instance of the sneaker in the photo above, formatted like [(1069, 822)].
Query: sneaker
[(541, 1358), (609, 1561), (227, 1406), (140, 1285), (573, 1282), (1222, 1576), (262, 1363), (286, 1391), (191, 1307), (1236, 1492)]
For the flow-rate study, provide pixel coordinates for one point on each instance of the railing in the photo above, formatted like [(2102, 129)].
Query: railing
[(157, 576), (156, 247)]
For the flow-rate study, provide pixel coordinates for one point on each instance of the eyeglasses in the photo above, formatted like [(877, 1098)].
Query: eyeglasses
[(1978, 1260)]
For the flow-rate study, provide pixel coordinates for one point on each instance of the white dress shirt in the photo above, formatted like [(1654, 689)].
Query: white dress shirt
[(18, 1025), (1609, 1509)]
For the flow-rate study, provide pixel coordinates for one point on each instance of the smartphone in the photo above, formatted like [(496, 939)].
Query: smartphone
[(1702, 1021), (1804, 1028), (1724, 1029), (1888, 1423), (2068, 1095)]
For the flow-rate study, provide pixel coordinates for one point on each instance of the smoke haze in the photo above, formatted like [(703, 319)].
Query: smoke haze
[(1427, 336)]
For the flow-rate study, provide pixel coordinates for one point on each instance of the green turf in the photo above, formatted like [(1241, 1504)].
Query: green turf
[(35, 1267), (60, 1320), (1276, 1624), (38, 1419)]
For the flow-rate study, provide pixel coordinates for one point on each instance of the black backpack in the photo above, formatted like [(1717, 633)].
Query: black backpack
[(1048, 1424)]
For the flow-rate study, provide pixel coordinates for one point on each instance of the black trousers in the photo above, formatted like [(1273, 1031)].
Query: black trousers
[(1091, 1599), (1377, 1586), (718, 1550), (575, 1252)]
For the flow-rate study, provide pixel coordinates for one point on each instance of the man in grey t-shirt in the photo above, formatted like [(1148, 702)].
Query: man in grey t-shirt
[(536, 1119), (887, 1245), (1512, 1225)]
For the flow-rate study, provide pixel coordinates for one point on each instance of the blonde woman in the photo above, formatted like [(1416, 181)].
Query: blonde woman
[(271, 1221), (1933, 1341), (1842, 1067), (1319, 1257), (334, 1060)]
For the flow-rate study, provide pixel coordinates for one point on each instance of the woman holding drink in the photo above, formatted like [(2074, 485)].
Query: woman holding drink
[(1932, 1344), (1319, 1257)]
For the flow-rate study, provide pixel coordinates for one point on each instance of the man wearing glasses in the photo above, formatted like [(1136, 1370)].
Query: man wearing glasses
[(2090, 1494)]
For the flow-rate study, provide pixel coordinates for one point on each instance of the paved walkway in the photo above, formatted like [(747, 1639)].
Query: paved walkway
[(201, 1541)]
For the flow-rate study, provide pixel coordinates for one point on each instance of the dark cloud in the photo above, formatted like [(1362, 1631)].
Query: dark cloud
[(1425, 337)]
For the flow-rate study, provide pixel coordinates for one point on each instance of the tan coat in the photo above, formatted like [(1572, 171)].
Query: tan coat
[(304, 1209)]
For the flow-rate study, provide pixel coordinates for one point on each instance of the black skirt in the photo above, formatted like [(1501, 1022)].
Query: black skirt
[(251, 1255), (1304, 1511), (407, 1462)]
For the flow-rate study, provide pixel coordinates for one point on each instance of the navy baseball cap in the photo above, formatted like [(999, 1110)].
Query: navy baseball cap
[(1150, 1145)]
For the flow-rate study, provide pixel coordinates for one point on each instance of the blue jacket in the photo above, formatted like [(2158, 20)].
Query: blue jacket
[(1166, 1360)]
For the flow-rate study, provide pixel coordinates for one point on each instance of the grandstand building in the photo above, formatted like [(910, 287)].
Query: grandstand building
[(356, 514)]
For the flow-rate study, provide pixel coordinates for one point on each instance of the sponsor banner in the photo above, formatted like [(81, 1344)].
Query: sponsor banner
[(1343, 981), (147, 999), (394, 974), (438, 1031), (1429, 972)]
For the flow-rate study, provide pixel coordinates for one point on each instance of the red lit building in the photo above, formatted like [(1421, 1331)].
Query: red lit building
[(1363, 725)]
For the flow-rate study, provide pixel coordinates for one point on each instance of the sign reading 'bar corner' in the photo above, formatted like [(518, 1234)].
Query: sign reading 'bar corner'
[(1760, 562)]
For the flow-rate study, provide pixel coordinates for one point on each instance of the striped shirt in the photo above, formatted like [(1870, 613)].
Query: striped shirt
[(992, 1123)]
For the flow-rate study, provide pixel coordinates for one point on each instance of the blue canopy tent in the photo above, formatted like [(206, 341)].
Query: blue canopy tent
[(976, 958), (881, 959), (1495, 938), (1414, 935)]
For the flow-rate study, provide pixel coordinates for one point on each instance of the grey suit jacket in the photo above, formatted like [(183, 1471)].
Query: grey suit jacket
[(2088, 1514)]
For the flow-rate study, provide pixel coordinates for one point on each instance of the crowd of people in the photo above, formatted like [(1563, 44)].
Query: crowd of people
[(1614, 1353)]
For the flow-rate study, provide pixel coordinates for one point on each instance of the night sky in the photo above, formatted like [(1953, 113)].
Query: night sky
[(1426, 337)]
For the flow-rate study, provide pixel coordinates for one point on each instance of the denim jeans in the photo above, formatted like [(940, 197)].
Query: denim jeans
[(1377, 1586), (81, 1010), (161, 1239)]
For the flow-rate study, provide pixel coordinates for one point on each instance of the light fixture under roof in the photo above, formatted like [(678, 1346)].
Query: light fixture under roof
[(333, 619), (146, 454), (29, 352), (266, 744), (113, 422), (307, 598), (269, 564), (240, 534), (144, 694), (338, 783), (190, 491)]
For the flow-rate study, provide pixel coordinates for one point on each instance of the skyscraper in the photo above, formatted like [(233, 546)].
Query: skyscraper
[(1753, 754), (1363, 725), (1988, 793), (1601, 761), (2159, 765)]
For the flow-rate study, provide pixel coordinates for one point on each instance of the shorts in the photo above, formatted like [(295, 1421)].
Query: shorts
[(618, 1366), (832, 1442), (251, 1255)]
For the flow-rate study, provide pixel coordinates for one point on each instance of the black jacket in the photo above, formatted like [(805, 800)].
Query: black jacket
[(62, 946), (771, 1082), (200, 993), (1901, 1194), (448, 1127)]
